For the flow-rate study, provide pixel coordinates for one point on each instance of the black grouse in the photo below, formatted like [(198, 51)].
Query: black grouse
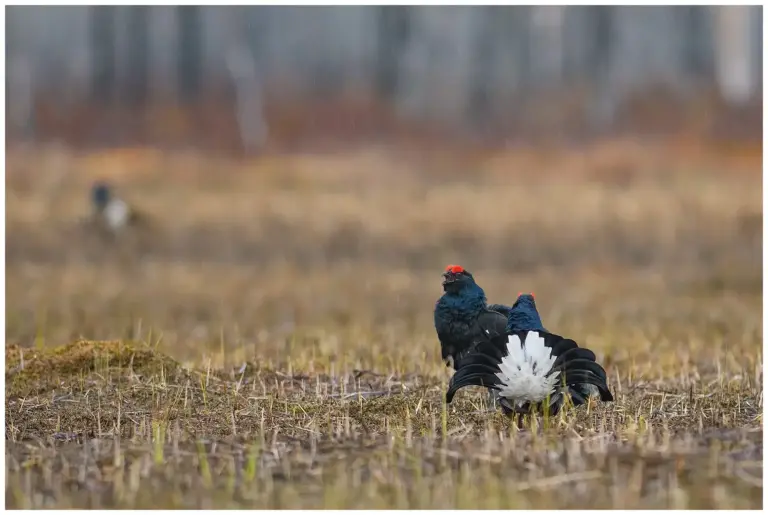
[(463, 318), (529, 366)]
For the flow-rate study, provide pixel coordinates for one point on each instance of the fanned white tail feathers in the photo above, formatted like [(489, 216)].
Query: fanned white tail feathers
[(524, 372)]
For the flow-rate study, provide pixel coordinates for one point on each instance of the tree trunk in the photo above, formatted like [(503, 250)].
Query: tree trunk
[(138, 55), (102, 35), (189, 52), (393, 33)]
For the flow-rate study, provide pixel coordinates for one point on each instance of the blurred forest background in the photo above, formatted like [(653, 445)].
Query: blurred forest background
[(247, 77)]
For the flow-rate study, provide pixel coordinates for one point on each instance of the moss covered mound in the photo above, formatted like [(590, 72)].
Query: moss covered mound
[(35, 371)]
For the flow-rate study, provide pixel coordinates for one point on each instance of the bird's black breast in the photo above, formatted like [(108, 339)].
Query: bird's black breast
[(459, 329)]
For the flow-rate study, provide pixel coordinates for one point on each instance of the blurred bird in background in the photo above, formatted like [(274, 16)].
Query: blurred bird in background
[(110, 211), (114, 221)]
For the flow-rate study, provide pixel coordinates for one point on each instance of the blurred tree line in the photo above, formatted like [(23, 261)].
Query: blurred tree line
[(472, 67)]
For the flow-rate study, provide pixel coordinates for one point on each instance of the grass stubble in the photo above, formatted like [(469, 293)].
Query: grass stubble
[(274, 347)]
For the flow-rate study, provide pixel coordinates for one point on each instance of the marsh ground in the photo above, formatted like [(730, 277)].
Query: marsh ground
[(267, 340)]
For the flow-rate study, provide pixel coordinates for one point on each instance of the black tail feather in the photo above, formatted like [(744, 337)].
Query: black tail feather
[(478, 358), (581, 364), (558, 344), (469, 378), (577, 353), (577, 377)]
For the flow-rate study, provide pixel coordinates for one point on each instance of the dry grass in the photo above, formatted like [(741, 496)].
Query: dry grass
[(268, 342)]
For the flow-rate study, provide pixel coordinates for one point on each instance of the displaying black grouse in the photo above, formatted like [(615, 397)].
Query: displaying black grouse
[(530, 367), (525, 317)]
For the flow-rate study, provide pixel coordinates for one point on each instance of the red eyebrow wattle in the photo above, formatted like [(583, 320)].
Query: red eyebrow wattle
[(456, 269)]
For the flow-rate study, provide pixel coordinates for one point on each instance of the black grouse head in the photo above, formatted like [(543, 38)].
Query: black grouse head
[(100, 195), (527, 300), (455, 279), (524, 316)]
